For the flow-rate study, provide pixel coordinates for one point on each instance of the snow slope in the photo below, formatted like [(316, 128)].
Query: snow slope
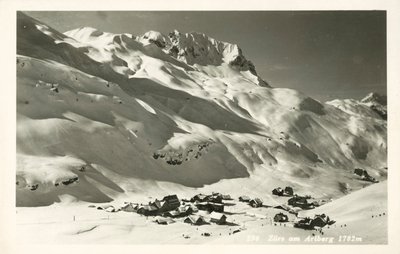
[(102, 116)]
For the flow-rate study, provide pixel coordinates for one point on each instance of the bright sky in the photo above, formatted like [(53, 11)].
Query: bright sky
[(325, 54)]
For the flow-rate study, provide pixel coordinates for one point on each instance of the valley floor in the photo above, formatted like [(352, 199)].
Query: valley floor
[(361, 218)]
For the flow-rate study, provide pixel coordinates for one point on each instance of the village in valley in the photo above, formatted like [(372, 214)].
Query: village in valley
[(222, 209), (202, 216), (238, 214)]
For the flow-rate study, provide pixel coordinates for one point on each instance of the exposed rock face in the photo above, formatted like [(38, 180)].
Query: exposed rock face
[(377, 103), (197, 48), (375, 98)]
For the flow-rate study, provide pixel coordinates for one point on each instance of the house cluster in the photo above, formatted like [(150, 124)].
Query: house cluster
[(214, 217), (295, 200), (364, 175), (158, 207), (319, 220), (253, 202), (288, 191), (210, 203), (170, 208), (302, 202)]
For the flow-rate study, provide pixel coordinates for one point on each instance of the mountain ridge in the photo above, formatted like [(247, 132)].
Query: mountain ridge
[(139, 120)]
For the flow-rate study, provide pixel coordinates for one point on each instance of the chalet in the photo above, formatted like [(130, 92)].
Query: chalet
[(171, 202), (202, 206), (148, 210), (298, 201), (130, 207), (304, 223), (159, 204), (281, 217), (289, 191), (195, 220), (179, 212), (199, 198), (321, 221), (218, 218), (192, 207), (226, 197), (210, 206), (215, 198), (244, 199), (216, 207), (185, 209), (278, 191), (256, 202), (318, 221)]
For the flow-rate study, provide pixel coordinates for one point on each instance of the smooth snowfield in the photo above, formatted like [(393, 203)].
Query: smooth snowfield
[(104, 117)]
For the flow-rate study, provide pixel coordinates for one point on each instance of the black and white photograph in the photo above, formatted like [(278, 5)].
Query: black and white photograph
[(201, 127)]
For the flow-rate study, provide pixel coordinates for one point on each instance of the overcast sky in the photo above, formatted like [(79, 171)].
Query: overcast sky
[(326, 55)]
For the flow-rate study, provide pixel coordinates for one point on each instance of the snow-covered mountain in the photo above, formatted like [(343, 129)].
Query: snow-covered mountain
[(102, 115), (375, 98), (373, 105), (377, 102)]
